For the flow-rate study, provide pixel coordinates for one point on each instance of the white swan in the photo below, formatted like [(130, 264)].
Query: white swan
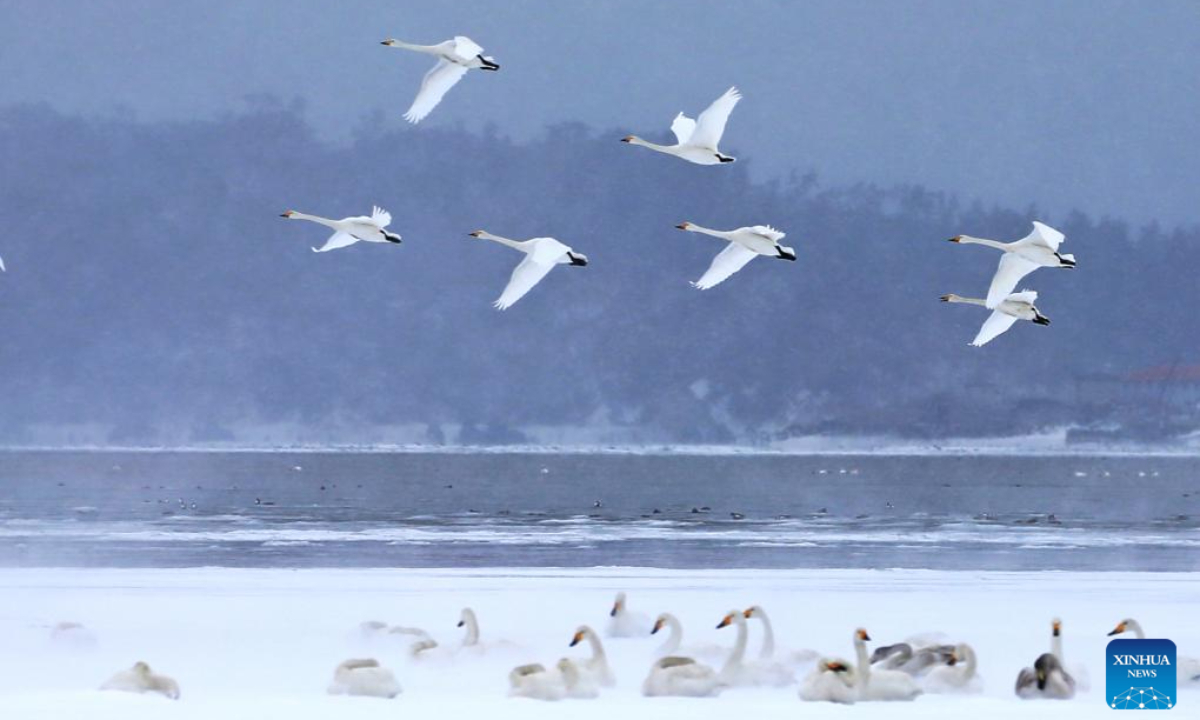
[(535, 681), (2, 268), (541, 255), (737, 671), (348, 231), (1021, 257), (1078, 673), (960, 675), (880, 684), (767, 650), (1018, 306), (364, 677), (624, 623), (745, 243), (834, 680), (1046, 679), (697, 140), (673, 645), (680, 677), (596, 667), (141, 679), (1187, 669), (455, 58), (468, 620)]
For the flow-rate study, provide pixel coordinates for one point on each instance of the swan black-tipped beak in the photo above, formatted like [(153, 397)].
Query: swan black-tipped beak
[(1114, 632), (627, 138), (681, 226), (955, 239)]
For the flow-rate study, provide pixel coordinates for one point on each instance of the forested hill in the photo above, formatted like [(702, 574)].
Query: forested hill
[(154, 292)]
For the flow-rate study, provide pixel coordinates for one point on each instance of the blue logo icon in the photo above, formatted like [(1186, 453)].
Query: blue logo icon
[(1141, 674)]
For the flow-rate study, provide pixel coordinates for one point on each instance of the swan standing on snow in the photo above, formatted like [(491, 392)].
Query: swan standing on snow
[(348, 231), (744, 244), (455, 58), (623, 623), (541, 255), (596, 667), (880, 684), (364, 678), (141, 679), (959, 675), (737, 671), (834, 680), (1021, 257), (697, 140), (1187, 669), (1018, 306)]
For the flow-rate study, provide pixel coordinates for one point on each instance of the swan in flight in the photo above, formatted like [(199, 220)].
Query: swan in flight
[(959, 675), (141, 679), (596, 667), (2, 268), (697, 140), (880, 684), (365, 678), (1018, 306), (541, 255), (455, 58), (744, 244), (834, 680), (624, 623), (1021, 257), (737, 671), (680, 677), (1187, 669), (1046, 679), (767, 650), (348, 231)]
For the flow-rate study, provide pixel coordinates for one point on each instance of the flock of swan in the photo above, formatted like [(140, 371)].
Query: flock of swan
[(696, 141), (900, 672)]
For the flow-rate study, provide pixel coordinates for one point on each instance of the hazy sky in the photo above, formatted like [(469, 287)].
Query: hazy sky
[(1087, 104)]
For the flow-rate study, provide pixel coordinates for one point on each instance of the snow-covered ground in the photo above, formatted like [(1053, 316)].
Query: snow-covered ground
[(263, 643)]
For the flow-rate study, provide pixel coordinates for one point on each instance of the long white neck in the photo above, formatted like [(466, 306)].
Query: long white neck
[(314, 218), (1056, 646), (668, 149), (968, 654), (598, 656), (517, 244), (472, 625), (431, 49), (693, 227), (768, 645), (1136, 627), (739, 647), (674, 635), (968, 240), (960, 299), (864, 663)]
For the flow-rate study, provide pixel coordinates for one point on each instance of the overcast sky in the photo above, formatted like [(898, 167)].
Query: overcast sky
[(1088, 104)]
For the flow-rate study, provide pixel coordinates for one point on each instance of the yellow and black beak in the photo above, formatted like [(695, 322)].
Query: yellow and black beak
[(725, 622), (658, 624), (576, 640)]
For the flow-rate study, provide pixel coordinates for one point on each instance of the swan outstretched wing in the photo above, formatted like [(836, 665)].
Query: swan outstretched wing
[(683, 127), (2, 268), (524, 277), (768, 232), (547, 251), (335, 241), (466, 48), (380, 218), (995, 325), (1045, 236), (1026, 296), (434, 87), (1012, 268), (710, 126), (726, 263)]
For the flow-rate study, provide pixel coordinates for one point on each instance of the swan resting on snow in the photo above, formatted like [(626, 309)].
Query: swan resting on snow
[(834, 680), (141, 679), (348, 231), (959, 675), (563, 681), (1017, 306), (1047, 678), (697, 140), (596, 667), (904, 658), (680, 677), (745, 243), (364, 677), (1037, 249), (767, 650), (737, 671), (880, 684), (455, 58), (673, 645), (541, 255), (624, 623), (1187, 669)]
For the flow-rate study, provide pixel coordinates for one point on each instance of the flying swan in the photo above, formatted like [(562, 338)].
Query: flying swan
[(1021, 257), (744, 244), (348, 231), (1018, 306), (1187, 669), (455, 58), (364, 678), (541, 255), (141, 679), (696, 140)]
